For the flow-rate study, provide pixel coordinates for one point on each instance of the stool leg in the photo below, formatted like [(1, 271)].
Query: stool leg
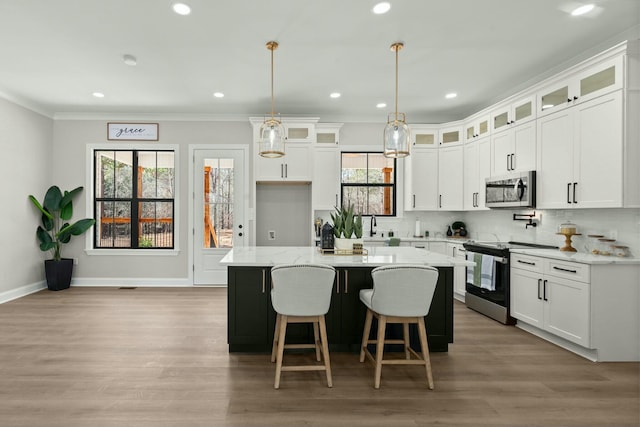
[(316, 340), (325, 350), (382, 323), (365, 334), (276, 332), (407, 341), (281, 334), (424, 344)]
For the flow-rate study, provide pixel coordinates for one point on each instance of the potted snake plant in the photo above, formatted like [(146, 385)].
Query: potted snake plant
[(347, 228), (56, 230)]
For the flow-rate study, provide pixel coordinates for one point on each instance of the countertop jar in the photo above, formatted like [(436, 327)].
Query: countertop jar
[(605, 246), (593, 246), (567, 228)]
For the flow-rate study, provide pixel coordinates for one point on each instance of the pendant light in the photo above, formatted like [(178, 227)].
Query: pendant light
[(397, 136), (271, 143)]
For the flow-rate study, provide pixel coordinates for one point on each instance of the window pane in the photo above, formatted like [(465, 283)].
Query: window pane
[(380, 169), (156, 174), (155, 225), (354, 168), (113, 225), (381, 200), (356, 196), (123, 174), (218, 203)]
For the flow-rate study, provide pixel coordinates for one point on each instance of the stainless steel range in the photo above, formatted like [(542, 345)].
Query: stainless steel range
[(488, 285)]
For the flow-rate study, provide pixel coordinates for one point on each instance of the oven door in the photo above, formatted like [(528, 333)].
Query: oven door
[(489, 278)]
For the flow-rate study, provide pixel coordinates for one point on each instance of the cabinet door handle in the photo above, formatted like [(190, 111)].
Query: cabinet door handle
[(508, 162), (264, 280), (575, 184), (568, 193), (539, 283), (565, 269), (286, 170), (575, 98), (544, 290), (526, 262), (568, 99), (440, 201), (414, 200), (336, 200), (513, 156), (281, 170), (346, 281), (337, 281)]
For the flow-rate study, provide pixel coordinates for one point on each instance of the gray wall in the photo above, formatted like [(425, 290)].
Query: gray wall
[(286, 210), (25, 144)]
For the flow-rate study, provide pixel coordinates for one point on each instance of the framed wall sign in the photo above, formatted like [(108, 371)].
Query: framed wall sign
[(132, 131)]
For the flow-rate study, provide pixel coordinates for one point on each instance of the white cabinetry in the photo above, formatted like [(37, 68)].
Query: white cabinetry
[(476, 127), (543, 296), (294, 166), (592, 310), (450, 178), (598, 79), (580, 155), (424, 136), (300, 132), (477, 167), (325, 190), (421, 180), (514, 113), (514, 149), (457, 250), (451, 135)]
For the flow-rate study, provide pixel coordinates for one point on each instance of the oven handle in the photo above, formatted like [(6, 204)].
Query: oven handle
[(501, 260)]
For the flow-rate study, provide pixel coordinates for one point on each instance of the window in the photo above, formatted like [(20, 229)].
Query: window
[(134, 202), (369, 183)]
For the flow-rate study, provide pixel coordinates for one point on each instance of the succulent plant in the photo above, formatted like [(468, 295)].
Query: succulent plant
[(346, 223)]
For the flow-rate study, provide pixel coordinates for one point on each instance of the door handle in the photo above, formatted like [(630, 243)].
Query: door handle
[(264, 280), (414, 200), (539, 283), (575, 184), (513, 155), (286, 170), (338, 282), (440, 201), (281, 170), (544, 290), (346, 281), (240, 234), (568, 193), (508, 162)]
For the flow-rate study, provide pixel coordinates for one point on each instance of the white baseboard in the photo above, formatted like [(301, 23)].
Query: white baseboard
[(587, 353), (128, 281), (22, 291)]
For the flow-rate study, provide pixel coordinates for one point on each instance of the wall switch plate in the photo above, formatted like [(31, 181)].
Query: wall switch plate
[(271, 234), (75, 261)]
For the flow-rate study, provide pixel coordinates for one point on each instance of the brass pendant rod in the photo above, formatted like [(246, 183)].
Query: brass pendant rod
[(272, 45), (397, 83)]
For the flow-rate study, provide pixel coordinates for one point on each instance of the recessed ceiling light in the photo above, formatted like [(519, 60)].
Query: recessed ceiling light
[(582, 10), (98, 94), (181, 9), (381, 105), (218, 94), (130, 60), (335, 95), (451, 95), (381, 8)]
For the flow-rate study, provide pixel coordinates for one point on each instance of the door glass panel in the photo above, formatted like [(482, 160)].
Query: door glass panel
[(449, 137), (425, 139), (298, 133), (483, 127), (598, 81), (501, 120), (523, 111), (218, 203), (470, 132), (326, 138), (555, 98)]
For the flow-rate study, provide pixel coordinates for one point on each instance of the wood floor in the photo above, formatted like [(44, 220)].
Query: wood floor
[(158, 357)]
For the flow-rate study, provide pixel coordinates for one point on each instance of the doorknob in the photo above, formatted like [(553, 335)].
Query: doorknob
[(240, 226), (240, 234)]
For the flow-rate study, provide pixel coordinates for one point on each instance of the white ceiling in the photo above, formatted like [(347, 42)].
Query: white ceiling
[(55, 54)]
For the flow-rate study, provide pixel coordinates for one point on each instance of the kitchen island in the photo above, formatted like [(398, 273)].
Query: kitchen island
[(251, 318)]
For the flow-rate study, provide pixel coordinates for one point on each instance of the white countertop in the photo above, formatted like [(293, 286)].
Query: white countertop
[(260, 256), (581, 257)]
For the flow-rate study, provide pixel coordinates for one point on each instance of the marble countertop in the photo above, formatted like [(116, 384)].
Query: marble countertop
[(581, 257), (272, 255)]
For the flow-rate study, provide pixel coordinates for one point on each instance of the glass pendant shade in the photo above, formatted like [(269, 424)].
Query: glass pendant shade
[(397, 139), (271, 143)]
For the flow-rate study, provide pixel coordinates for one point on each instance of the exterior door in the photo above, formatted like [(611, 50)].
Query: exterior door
[(219, 211)]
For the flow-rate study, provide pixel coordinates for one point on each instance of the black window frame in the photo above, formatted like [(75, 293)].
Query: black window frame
[(135, 200), (392, 185)]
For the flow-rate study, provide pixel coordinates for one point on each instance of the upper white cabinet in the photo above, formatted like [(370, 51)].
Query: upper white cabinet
[(424, 136), (514, 150), (477, 127), (580, 155), (450, 136), (477, 167), (513, 113), (581, 86), (325, 190), (450, 178), (300, 132), (421, 180), (295, 165)]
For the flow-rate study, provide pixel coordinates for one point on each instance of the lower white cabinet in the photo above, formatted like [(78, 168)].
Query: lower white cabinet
[(457, 250), (593, 306)]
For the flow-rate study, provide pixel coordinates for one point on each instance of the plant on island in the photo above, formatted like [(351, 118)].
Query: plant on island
[(346, 224)]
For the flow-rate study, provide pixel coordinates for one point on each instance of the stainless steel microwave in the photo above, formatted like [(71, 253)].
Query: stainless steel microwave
[(517, 190)]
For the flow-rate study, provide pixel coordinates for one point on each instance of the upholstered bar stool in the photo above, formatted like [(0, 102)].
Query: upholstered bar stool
[(301, 294), (400, 294)]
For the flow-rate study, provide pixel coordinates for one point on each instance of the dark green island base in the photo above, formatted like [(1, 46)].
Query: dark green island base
[(251, 318)]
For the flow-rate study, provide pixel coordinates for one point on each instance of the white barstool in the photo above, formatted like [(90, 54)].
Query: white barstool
[(301, 293), (400, 294)]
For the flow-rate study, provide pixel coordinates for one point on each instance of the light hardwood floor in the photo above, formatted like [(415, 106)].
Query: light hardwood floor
[(158, 357)]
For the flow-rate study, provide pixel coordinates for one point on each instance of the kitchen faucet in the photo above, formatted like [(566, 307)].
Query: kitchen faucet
[(372, 232)]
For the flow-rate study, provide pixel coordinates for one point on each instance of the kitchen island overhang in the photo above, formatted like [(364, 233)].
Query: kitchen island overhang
[(251, 318)]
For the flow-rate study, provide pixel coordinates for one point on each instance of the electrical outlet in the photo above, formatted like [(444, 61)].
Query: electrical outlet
[(75, 261), (272, 234)]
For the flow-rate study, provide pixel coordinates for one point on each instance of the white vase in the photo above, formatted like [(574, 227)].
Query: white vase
[(342, 244)]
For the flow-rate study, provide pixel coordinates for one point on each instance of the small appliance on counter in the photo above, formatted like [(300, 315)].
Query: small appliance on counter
[(327, 236)]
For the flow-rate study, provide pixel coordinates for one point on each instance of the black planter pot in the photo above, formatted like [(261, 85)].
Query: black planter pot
[(58, 273)]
